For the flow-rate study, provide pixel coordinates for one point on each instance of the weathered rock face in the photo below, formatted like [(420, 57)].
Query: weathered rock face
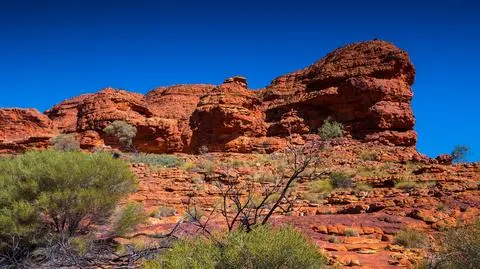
[(366, 86), (228, 112), (22, 129)]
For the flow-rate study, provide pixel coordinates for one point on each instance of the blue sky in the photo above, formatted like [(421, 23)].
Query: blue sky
[(53, 50)]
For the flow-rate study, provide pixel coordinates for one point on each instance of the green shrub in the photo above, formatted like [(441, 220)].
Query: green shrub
[(459, 153), (263, 247), (157, 160), (341, 180), (460, 248), (410, 238), (128, 217), (65, 142), (330, 130), (163, 212), (123, 131), (57, 191)]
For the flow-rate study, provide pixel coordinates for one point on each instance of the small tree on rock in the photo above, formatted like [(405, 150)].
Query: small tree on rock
[(123, 131), (459, 153)]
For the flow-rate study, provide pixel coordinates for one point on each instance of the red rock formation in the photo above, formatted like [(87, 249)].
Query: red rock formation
[(228, 112), (23, 129), (366, 86)]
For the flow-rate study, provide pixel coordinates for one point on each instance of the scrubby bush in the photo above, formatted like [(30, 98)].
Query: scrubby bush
[(341, 180), (58, 192), (263, 247), (461, 248), (65, 142), (128, 217), (157, 160), (459, 153), (123, 131), (410, 238), (330, 130)]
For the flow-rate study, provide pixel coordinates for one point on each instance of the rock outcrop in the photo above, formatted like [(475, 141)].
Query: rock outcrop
[(22, 129), (366, 86)]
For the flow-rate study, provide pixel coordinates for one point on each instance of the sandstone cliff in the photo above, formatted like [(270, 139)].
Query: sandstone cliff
[(366, 86)]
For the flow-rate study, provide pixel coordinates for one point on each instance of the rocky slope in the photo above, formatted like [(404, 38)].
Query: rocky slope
[(366, 86)]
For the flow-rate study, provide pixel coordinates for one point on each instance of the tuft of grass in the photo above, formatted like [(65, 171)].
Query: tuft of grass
[(320, 186), (350, 232), (333, 239), (369, 156), (407, 185), (314, 198), (163, 212), (188, 166), (410, 238), (157, 160), (363, 187)]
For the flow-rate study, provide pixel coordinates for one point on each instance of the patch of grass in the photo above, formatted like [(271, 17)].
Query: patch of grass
[(314, 198), (188, 166), (157, 160), (407, 185), (163, 212), (410, 238), (369, 156), (320, 186), (363, 187), (350, 232), (128, 217)]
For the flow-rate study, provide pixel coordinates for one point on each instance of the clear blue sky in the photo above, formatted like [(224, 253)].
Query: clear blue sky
[(54, 50)]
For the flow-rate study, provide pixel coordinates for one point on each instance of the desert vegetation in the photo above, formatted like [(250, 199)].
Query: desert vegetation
[(52, 194), (123, 132)]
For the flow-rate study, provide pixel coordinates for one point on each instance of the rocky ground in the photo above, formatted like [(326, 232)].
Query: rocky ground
[(442, 196)]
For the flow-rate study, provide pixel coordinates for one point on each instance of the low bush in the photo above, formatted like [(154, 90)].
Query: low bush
[(123, 131), (341, 180), (330, 130), (263, 247), (128, 217), (51, 191), (460, 247), (157, 160), (65, 142), (410, 238)]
